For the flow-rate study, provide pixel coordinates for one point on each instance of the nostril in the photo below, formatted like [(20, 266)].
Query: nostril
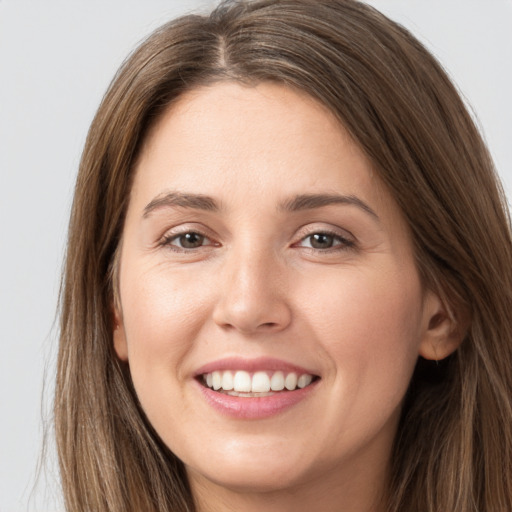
[(266, 326), (250, 316)]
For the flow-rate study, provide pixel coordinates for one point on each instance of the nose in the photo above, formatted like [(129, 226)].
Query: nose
[(252, 294)]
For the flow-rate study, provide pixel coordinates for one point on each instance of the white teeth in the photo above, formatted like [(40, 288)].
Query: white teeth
[(261, 383), (227, 381), (277, 381), (217, 380), (242, 382), (290, 383), (304, 380)]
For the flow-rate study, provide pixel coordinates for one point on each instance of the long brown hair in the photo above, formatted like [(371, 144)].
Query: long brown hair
[(453, 450)]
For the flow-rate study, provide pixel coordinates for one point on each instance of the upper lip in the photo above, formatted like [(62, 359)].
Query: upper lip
[(252, 365)]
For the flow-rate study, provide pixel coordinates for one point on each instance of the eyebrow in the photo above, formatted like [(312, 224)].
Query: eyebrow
[(312, 201), (296, 203), (183, 200)]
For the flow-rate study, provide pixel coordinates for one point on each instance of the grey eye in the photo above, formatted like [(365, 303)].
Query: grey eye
[(190, 240), (321, 240)]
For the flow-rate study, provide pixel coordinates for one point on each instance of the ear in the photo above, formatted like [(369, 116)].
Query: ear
[(443, 331), (119, 335)]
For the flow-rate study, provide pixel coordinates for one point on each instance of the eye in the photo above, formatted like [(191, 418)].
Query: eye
[(321, 240), (325, 240), (188, 240)]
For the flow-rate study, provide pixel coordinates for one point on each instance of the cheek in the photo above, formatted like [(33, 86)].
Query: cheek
[(370, 328), (366, 300), (162, 317)]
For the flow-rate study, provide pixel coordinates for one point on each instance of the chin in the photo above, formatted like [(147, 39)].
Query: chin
[(252, 467), (246, 479)]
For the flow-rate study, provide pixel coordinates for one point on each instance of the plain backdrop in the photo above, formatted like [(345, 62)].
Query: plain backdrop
[(56, 59)]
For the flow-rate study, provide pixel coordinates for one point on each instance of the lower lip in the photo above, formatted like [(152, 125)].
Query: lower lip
[(255, 407)]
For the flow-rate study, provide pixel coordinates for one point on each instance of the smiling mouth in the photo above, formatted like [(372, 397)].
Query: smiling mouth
[(240, 383)]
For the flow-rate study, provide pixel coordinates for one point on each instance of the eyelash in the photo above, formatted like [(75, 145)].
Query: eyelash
[(343, 244), (167, 240)]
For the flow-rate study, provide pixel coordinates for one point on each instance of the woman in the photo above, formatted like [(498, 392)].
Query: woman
[(288, 278)]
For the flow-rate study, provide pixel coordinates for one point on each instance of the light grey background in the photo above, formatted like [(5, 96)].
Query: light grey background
[(56, 60)]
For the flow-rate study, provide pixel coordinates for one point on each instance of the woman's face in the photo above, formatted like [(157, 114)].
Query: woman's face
[(260, 251)]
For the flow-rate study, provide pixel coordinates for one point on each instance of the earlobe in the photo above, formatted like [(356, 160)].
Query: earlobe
[(119, 336), (443, 332)]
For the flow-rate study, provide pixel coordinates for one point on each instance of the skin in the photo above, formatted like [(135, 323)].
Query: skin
[(356, 313)]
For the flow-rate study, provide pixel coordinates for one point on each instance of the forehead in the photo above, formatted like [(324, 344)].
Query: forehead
[(264, 134)]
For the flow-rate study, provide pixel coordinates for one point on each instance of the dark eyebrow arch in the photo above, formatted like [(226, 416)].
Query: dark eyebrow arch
[(182, 200), (311, 201)]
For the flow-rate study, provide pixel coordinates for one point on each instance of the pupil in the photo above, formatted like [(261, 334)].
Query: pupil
[(191, 240), (322, 241)]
